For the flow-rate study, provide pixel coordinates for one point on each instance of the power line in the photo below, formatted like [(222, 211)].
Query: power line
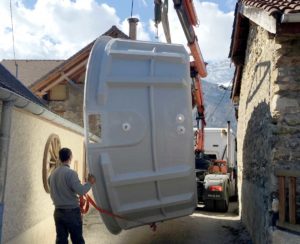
[(12, 29), (131, 8), (13, 37), (216, 107), (231, 114)]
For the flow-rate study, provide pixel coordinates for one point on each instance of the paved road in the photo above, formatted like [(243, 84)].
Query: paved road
[(201, 227)]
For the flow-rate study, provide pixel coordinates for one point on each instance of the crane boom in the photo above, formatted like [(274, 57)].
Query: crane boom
[(188, 19)]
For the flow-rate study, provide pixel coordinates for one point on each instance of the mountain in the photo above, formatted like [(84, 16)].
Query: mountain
[(218, 106), (220, 72)]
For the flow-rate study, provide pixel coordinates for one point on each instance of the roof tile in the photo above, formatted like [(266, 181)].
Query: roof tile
[(274, 6), (10, 82)]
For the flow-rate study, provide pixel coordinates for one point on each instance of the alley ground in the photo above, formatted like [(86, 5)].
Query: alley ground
[(201, 227)]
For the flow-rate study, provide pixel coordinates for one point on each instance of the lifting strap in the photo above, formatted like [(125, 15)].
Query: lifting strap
[(86, 200)]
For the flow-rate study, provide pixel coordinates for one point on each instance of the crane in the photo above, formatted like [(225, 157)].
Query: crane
[(188, 18), (214, 186)]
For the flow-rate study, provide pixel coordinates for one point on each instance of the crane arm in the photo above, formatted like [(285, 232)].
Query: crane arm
[(188, 19), (161, 15)]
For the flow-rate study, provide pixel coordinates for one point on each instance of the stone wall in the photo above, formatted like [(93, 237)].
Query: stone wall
[(28, 216), (255, 132), (72, 108), (285, 109), (285, 104), (268, 126)]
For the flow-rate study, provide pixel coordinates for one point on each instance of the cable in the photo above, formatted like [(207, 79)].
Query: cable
[(13, 37), (12, 28), (231, 113), (216, 107), (131, 8)]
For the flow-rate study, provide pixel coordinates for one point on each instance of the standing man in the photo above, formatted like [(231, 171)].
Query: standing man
[(65, 187)]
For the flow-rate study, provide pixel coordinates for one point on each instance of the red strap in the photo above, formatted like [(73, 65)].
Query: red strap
[(84, 204), (101, 210), (85, 200)]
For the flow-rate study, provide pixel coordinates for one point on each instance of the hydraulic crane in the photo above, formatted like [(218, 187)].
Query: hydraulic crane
[(188, 18), (214, 187)]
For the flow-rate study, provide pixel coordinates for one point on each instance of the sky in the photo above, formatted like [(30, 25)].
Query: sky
[(56, 29)]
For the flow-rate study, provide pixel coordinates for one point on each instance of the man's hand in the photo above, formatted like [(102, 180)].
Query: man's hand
[(91, 179)]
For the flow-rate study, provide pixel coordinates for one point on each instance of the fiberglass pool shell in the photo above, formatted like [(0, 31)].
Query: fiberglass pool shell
[(144, 162)]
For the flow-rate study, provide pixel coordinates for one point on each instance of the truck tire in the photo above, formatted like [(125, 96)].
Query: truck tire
[(209, 205), (222, 205)]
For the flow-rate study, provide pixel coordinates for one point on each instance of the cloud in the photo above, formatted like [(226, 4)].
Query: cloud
[(55, 29), (214, 32)]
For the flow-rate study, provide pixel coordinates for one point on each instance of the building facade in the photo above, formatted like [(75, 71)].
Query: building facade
[(39, 115), (63, 87), (266, 51), (30, 139)]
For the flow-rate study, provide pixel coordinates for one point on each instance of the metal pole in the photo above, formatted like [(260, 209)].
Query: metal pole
[(229, 163), (4, 150)]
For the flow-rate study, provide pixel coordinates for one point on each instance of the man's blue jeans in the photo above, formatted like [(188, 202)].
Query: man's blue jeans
[(68, 221)]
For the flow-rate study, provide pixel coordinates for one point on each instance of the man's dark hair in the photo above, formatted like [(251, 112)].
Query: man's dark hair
[(64, 154)]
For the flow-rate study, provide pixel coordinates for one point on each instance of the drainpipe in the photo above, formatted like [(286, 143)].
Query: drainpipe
[(132, 27), (4, 148), (228, 145), (17, 69)]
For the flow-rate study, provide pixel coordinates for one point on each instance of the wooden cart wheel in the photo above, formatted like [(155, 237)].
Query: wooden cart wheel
[(51, 158)]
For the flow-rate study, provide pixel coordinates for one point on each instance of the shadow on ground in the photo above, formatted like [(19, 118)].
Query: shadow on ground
[(201, 227)]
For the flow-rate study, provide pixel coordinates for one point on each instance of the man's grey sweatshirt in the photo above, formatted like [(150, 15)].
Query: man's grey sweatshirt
[(65, 187)]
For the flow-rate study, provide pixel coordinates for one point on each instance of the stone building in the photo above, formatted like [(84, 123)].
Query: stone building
[(62, 88), (265, 49)]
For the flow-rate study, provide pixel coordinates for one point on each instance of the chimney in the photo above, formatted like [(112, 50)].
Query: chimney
[(132, 27)]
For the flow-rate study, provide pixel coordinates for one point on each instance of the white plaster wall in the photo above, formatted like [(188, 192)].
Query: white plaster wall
[(28, 214)]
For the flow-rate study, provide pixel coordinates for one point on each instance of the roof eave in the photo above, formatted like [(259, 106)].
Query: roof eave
[(239, 37), (60, 68), (25, 104), (77, 61), (260, 17), (290, 18), (289, 24)]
